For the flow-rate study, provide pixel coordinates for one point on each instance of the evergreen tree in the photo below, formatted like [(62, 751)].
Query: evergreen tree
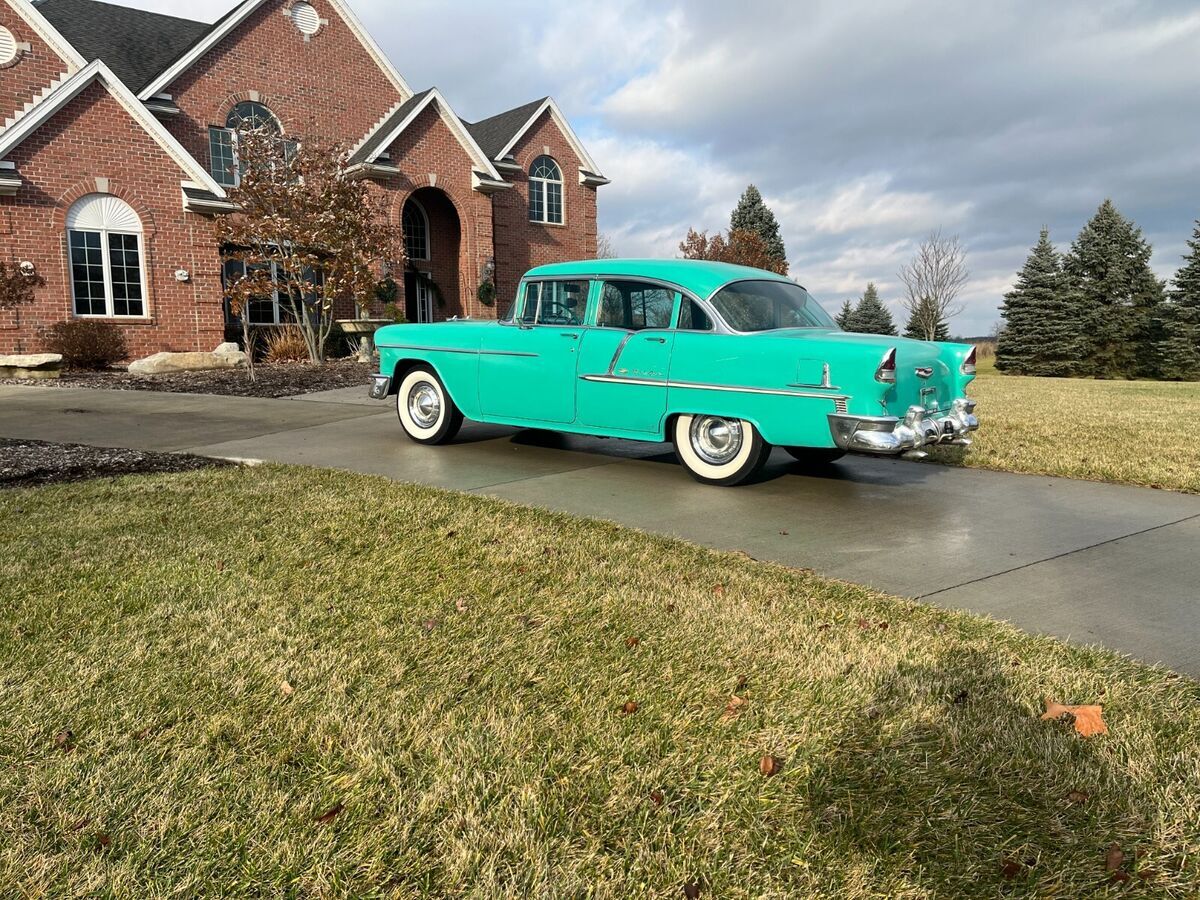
[(1109, 267), (844, 319), (915, 329), (1179, 347), (871, 316), (1042, 334), (752, 214)]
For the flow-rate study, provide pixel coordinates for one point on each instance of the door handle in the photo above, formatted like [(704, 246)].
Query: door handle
[(569, 334), (657, 340)]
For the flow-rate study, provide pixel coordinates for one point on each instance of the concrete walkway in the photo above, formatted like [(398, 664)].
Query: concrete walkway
[(1092, 563)]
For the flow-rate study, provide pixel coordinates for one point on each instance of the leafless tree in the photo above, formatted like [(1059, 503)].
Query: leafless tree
[(605, 249), (933, 279)]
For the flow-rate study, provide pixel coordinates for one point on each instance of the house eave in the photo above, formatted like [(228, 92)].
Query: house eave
[(591, 179), (10, 183), (486, 185), (372, 170)]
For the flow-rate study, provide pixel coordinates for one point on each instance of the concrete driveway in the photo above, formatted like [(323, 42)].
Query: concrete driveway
[(1092, 563)]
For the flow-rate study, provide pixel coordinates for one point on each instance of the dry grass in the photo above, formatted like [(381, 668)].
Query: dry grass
[(1131, 432), (459, 669), (284, 343)]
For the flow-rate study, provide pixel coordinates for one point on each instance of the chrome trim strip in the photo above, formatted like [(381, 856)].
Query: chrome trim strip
[(700, 386), (822, 387), (612, 363), (453, 350)]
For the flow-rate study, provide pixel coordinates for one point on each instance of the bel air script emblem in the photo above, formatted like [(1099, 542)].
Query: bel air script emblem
[(924, 371)]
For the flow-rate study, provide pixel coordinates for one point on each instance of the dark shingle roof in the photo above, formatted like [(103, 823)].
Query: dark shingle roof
[(493, 134), (375, 142), (136, 45)]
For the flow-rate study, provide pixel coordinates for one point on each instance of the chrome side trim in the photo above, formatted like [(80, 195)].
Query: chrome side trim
[(612, 363), (454, 350), (700, 386)]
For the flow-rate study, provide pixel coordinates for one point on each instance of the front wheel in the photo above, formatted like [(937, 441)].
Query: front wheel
[(815, 456), (721, 451), (426, 412)]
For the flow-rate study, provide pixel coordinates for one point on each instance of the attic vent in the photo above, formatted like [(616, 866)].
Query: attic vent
[(305, 18), (8, 46)]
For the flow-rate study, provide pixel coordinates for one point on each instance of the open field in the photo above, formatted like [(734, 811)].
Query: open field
[(1132, 432), (373, 689)]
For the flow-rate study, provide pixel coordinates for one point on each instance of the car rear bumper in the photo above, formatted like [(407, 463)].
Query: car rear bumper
[(920, 428)]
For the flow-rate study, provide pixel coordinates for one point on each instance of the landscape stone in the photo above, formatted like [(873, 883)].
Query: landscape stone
[(30, 365), (165, 363)]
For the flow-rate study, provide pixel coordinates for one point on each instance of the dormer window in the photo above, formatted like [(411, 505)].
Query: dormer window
[(222, 142), (545, 192)]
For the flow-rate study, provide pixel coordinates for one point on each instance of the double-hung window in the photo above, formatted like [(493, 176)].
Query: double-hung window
[(104, 246)]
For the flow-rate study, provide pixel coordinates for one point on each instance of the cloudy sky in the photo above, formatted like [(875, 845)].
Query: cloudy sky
[(865, 124)]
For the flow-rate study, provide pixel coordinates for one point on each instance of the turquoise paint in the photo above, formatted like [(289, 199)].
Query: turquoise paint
[(546, 375)]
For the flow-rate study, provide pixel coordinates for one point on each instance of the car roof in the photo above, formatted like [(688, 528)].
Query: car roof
[(701, 277)]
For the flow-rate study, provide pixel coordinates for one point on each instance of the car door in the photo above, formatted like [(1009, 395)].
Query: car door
[(527, 368), (624, 360)]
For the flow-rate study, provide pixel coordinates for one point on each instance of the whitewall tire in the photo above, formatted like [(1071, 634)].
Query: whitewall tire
[(426, 412), (717, 450)]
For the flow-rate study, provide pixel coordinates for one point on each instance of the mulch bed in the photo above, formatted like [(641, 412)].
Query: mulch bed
[(26, 463), (273, 380)]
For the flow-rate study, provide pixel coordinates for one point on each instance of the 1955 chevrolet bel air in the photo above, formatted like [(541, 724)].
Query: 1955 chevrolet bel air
[(724, 361)]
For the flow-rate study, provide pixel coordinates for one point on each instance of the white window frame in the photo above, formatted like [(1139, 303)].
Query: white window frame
[(106, 265), (428, 231), (544, 182), (233, 141)]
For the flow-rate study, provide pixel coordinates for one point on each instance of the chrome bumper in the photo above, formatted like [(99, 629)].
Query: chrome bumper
[(920, 428), (381, 386)]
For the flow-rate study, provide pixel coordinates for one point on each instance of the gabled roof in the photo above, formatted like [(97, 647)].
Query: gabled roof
[(135, 44), (494, 133), (74, 86), (235, 17), (391, 126)]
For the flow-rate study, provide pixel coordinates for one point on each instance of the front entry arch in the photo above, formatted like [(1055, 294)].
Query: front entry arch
[(432, 243)]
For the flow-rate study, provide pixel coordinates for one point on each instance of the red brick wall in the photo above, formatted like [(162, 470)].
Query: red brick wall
[(521, 244), (93, 137), (328, 86), (428, 148), (30, 73)]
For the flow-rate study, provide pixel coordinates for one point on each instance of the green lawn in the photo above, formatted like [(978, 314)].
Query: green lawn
[(1131, 432), (459, 670)]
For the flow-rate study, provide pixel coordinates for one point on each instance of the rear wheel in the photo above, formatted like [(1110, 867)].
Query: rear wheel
[(426, 412), (717, 450), (815, 456)]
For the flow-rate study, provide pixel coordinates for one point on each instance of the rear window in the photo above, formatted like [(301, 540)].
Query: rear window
[(767, 305)]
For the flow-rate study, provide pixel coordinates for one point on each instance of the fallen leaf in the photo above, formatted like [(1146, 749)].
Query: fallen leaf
[(719, 590), (630, 707), (460, 604), (1077, 797), (733, 708), (670, 607), (1087, 719), (1118, 877), (330, 814), (883, 626), (632, 642), (1114, 858), (429, 624), (770, 765), (824, 626), (451, 533), (657, 798), (1010, 869), (743, 680), (64, 738), (220, 565), (863, 624), (691, 890), (103, 840), (286, 689), (79, 823)]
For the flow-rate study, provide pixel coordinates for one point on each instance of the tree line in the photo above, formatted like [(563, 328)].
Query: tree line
[(1099, 310)]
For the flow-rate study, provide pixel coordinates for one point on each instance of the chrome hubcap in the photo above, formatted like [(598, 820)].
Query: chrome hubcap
[(716, 440), (424, 404)]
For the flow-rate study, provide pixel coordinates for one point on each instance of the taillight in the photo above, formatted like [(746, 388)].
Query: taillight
[(887, 367), (968, 364)]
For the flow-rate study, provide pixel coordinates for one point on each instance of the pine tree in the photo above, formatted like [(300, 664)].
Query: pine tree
[(752, 214), (1109, 267), (871, 316), (844, 319), (916, 330), (1179, 347), (1042, 334)]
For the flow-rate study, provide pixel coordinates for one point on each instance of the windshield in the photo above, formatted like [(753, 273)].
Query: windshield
[(766, 305)]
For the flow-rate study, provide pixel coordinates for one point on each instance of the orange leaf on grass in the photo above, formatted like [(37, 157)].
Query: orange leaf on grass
[(733, 708), (1088, 719), (330, 814)]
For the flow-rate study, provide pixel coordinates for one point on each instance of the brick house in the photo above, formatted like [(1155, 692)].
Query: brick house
[(118, 149)]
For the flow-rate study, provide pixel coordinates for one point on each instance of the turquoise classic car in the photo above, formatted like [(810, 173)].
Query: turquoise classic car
[(723, 361)]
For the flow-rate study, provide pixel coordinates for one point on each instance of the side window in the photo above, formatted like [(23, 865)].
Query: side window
[(693, 318), (634, 305), (555, 303)]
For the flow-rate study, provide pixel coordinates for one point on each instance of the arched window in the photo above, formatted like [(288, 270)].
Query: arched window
[(104, 237), (222, 142), (545, 191), (415, 224)]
